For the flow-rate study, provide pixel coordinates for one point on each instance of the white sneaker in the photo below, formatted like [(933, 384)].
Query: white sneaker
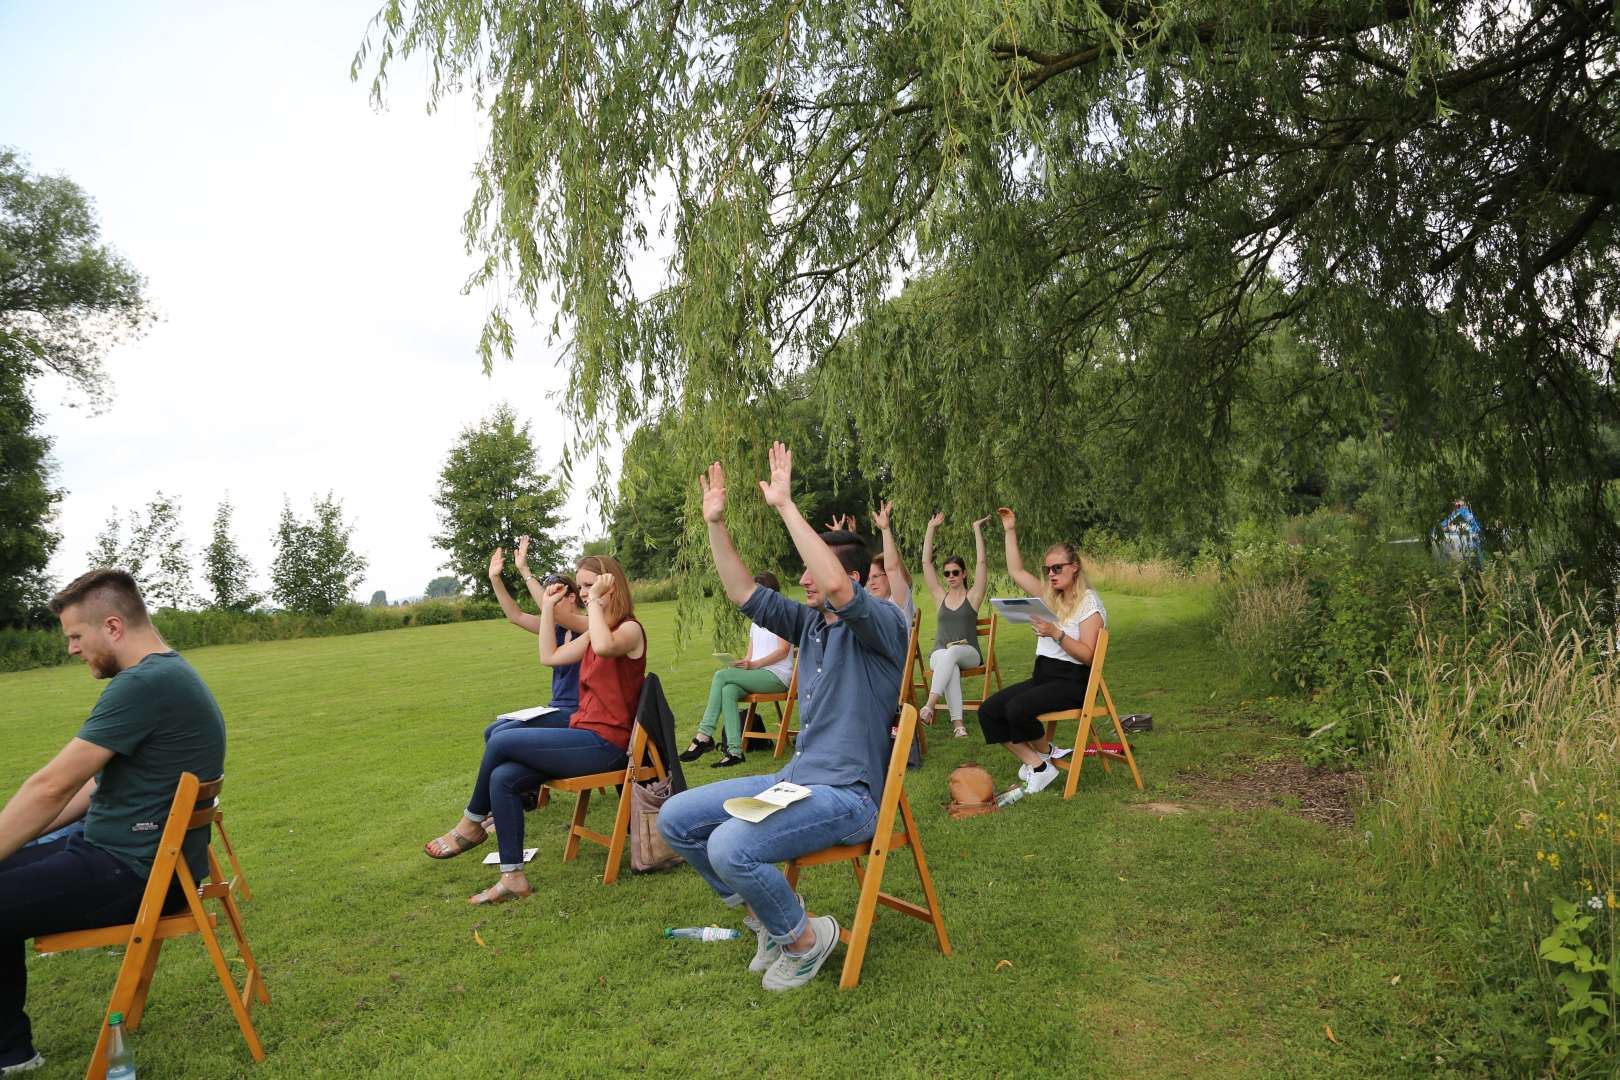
[(1057, 753), (28, 1065), (790, 972), (1040, 779), (766, 951), (1023, 774)]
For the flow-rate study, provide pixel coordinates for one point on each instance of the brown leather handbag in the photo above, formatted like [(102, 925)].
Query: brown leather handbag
[(973, 791)]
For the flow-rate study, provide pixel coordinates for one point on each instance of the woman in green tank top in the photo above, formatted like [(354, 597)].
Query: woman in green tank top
[(956, 637)]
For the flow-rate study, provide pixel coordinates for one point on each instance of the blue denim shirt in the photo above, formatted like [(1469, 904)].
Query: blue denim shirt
[(849, 685)]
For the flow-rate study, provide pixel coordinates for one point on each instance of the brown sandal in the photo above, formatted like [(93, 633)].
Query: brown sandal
[(452, 844), (498, 893)]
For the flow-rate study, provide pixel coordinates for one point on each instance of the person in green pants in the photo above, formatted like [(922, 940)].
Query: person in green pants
[(765, 670)]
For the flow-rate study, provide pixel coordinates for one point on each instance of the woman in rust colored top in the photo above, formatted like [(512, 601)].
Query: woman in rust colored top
[(612, 659)]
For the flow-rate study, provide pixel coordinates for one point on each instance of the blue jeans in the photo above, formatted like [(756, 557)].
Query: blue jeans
[(67, 884), (559, 718), (738, 858), (518, 758), (60, 834)]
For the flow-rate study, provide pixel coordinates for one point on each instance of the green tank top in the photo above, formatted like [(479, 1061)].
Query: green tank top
[(958, 625)]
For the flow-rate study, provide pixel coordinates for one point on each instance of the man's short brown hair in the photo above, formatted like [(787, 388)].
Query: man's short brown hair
[(112, 590)]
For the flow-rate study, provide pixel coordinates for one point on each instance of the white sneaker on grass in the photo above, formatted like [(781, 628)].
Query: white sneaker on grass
[(766, 951), (1057, 753), (790, 972), (21, 1061), (1039, 779)]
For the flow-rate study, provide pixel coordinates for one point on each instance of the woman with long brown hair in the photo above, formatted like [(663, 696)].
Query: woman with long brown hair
[(1062, 658), (612, 658)]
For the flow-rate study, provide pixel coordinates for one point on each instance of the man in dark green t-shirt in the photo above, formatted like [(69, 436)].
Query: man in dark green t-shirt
[(154, 721)]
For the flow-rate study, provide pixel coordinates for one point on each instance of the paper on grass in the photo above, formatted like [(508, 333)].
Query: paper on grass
[(527, 714), (1021, 609), (766, 802), (494, 857)]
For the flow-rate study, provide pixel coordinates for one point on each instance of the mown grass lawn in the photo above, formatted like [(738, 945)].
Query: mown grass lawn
[(1214, 943)]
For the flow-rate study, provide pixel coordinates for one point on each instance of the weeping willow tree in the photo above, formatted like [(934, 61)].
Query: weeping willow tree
[(1010, 233)]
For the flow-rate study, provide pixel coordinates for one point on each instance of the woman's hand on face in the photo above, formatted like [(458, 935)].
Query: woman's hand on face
[(601, 586), (1009, 520), (554, 592), (497, 562)]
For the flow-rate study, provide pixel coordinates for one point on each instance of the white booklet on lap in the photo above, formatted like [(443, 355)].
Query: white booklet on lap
[(1022, 608), (527, 714), (767, 802)]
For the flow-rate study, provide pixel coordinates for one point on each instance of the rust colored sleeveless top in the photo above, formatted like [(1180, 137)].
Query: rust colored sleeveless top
[(609, 691)]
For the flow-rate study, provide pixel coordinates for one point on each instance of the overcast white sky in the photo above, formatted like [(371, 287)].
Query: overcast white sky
[(305, 253)]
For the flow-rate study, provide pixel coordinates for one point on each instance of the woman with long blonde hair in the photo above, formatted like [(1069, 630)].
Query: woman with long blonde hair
[(1062, 658), (612, 659)]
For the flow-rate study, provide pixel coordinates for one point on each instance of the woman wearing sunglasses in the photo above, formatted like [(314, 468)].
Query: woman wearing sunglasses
[(1062, 658), (956, 634)]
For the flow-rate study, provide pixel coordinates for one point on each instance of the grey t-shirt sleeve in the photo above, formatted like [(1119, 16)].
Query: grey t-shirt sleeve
[(121, 720)]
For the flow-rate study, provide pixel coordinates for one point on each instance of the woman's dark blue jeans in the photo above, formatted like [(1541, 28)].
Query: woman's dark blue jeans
[(519, 758)]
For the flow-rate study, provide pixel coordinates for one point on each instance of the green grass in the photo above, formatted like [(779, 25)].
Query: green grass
[(1215, 943)]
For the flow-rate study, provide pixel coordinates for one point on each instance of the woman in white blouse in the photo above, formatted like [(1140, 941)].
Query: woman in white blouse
[(765, 670), (1062, 658)]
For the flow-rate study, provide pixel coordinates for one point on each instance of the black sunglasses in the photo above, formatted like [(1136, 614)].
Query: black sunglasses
[(953, 573), (1056, 568)]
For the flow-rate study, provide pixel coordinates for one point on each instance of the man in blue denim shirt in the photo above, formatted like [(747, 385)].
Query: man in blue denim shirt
[(851, 648)]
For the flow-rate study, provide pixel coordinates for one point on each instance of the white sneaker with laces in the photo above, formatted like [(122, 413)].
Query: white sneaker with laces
[(766, 951), (790, 972), (1057, 753), (1040, 779)]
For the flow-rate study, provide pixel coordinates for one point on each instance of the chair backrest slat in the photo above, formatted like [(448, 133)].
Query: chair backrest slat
[(1098, 653)]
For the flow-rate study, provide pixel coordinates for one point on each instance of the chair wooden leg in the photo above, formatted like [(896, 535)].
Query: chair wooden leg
[(792, 875), (125, 988), (230, 853), (937, 917), (221, 968), (137, 1005), (781, 731), (1079, 756), (233, 915), (860, 930), (617, 838), (571, 849), (1119, 729)]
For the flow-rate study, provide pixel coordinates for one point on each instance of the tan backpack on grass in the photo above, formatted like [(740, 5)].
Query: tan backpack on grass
[(973, 791)]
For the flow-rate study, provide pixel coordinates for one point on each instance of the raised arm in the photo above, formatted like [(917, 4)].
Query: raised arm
[(825, 570), (981, 566), (552, 654), (1015, 560), (514, 614), (734, 576), (568, 616), (893, 564), (623, 640), (930, 576)]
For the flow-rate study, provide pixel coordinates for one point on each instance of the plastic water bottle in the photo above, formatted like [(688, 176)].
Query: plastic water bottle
[(120, 1062), (704, 933), (1010, 796)]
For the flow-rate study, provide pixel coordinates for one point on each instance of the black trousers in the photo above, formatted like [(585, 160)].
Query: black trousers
[(1008, 715), (68, 884)]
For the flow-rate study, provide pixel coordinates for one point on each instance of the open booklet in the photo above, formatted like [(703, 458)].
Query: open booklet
[(527, 714), (1022, 608), (767, 802), (725, 658)]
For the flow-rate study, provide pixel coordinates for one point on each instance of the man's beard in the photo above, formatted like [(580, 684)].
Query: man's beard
[(104, 668)]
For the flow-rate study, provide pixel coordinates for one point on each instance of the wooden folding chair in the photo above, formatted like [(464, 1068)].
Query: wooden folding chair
[(986, 628), (876, 853), (784, 702), (907, 691), (1089, 710), (195, 806), (641, 750)]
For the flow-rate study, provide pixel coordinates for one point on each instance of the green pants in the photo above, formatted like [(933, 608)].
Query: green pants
[(725, 688)]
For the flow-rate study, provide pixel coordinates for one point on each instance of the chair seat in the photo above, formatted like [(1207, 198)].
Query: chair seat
[(592, 781), (171, 927), (762, 699)]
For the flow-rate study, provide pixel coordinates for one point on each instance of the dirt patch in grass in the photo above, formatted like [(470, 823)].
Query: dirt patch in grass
[(1318, 794)]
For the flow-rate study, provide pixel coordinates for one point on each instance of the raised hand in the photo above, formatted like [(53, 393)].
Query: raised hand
[(1009, 520), (522, 556), (778, 491), (497, 562), (977, 525), (713, 485), (936, 521), (554, 592), (603, 585), (880, 516)]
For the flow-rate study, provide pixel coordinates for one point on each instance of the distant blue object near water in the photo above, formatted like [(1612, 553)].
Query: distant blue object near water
[(704, 933)]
